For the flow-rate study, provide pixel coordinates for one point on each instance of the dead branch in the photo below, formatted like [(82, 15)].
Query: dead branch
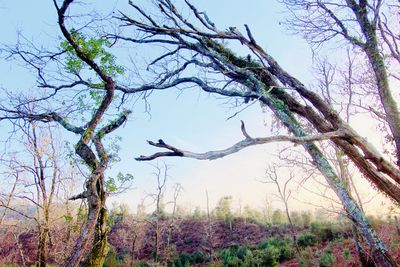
[(248, 141)]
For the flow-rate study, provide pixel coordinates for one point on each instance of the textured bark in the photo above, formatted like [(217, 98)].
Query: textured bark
[(42, 240), (100, 248), (82, 245), (364, 258)]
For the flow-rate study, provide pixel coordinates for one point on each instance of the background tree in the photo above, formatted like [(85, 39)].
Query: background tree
[(278, 217), (40, 177), (161, 174), (223, 210), (284, 194)]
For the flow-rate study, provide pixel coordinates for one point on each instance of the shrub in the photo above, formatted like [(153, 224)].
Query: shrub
[(306, 240), (306, 218), (183, 260), (198, 257), (346, 254), (250, 260), (325, 231), (283, 246), (278, 217), (228, 257), (242, 252), (271, 256), (327, 258), (268, 253)]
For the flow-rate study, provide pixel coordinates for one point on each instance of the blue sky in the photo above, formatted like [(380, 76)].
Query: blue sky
[(192, 120)]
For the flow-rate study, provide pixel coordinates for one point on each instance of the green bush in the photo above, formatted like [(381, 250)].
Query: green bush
[(346, 254), (284, 247), (242, 252), (183, 260), (268, 253), (198, 257), (327, 258), (270, 256), (325, 231), (250, 260), (306, 240), (228, 257)]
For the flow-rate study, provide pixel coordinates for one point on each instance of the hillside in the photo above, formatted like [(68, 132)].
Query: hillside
[(198, 242)]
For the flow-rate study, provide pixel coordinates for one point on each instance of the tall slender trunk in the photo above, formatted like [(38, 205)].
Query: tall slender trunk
[(42, 240), (133, 254), (20, 249), (292, 230)]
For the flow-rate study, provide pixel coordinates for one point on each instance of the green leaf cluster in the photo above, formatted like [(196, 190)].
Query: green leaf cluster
[(111, 183), (94, 49)]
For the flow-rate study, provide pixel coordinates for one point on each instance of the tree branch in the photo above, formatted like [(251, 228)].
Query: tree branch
[(248, 141)]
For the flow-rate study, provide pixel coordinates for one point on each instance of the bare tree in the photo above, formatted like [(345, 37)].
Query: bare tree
[(37, 182), (284, 194), (172, 226), (209, 232), (161, 174)]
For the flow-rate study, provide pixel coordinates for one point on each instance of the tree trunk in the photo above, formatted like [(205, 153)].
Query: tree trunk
[(364, 258), (20, 249), (133, 257), (292, 230), (96, 225), (101, 247), (41, 253)]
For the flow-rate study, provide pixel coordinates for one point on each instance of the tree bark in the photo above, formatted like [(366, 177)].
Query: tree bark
[(42, 240), (101, 247)]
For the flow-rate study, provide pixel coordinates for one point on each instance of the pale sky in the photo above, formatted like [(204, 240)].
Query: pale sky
[(193, 120)]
